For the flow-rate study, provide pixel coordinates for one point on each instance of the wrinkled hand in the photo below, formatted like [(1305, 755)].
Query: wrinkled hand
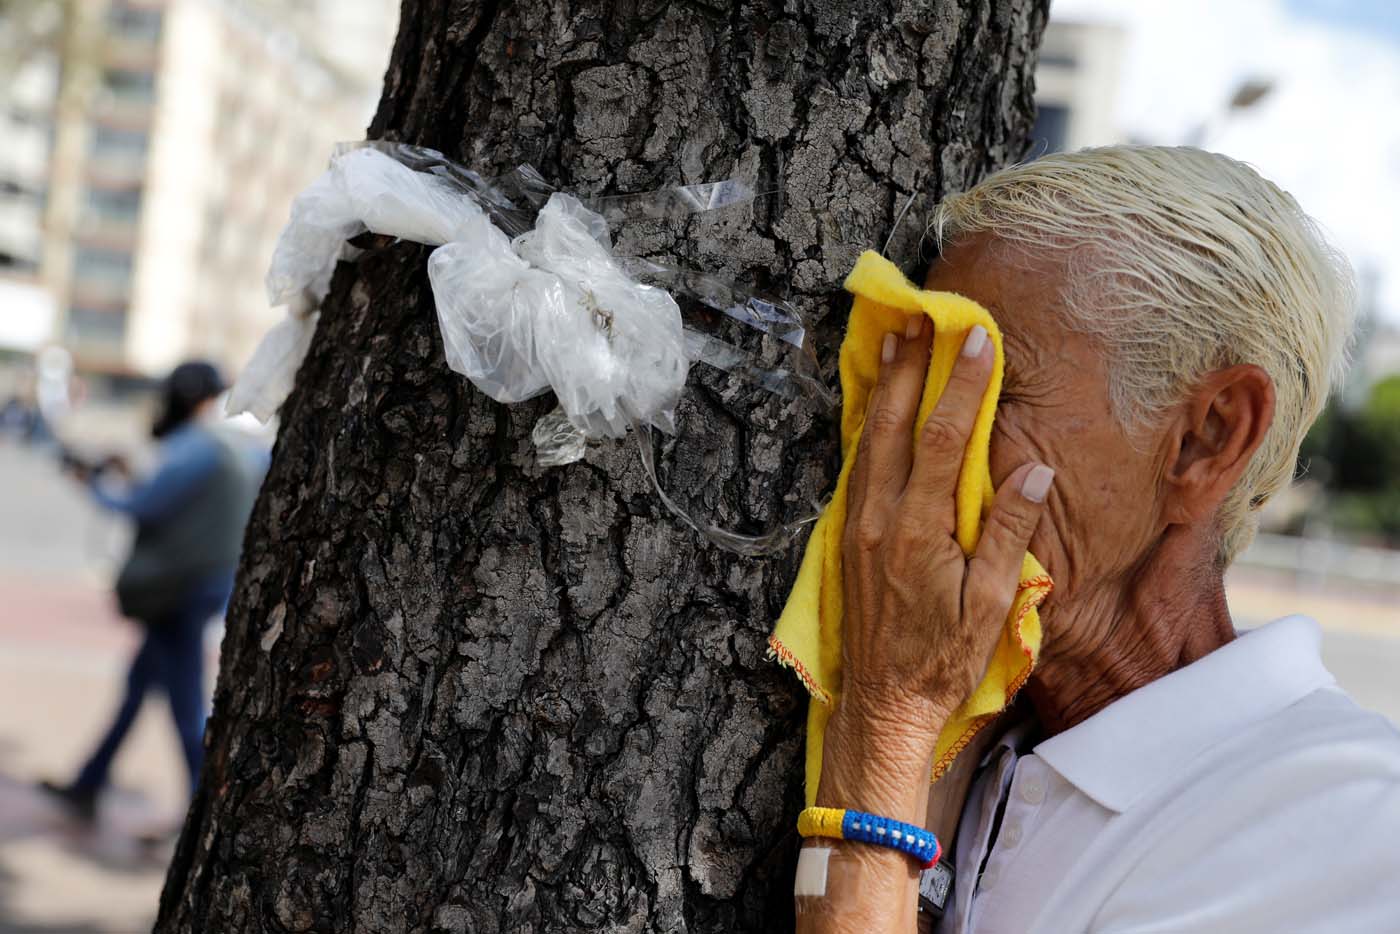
[(921, 618)]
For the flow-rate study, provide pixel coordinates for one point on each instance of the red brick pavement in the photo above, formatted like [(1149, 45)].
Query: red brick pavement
[(63, 612)]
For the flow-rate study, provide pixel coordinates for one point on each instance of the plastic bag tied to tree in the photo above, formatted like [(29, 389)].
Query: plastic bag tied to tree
[(550, 310), (554, 310)]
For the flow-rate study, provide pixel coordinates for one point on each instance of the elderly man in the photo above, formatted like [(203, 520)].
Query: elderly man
[(1172, 325)]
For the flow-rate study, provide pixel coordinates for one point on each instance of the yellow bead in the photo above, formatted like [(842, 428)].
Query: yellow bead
[(821, 822)]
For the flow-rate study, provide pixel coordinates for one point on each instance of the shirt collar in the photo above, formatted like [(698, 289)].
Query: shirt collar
[(1015, 740), (1141, 739)]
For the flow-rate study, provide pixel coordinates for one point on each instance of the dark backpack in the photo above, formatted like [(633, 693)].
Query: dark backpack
[(201, 537)]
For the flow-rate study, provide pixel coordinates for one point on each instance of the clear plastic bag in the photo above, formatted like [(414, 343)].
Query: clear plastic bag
[(553, 309), (488, 301), (307, 248), (267, 379), (612, 348), (363, 190)]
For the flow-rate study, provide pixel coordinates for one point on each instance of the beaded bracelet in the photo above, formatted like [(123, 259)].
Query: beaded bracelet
[(843, 824)]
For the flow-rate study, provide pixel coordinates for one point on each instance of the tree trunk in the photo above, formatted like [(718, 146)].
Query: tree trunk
[(460, 692)]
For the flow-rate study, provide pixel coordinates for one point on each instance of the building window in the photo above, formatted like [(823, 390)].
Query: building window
[(121, 205), (106, 270), (22, 116), (1057, 58), (104, 325), (111, 143), (1051, 132), (129, 85), (13, 263), (10, 188), (134, 22)]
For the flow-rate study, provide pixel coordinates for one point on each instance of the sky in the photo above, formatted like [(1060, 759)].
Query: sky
[(1327, 132)]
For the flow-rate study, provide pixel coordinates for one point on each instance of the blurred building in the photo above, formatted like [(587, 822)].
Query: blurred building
[(26, 124), (183, 131), (1077, 75), (31, 78)]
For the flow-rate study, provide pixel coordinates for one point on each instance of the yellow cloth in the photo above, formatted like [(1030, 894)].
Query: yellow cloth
[(808, 635)]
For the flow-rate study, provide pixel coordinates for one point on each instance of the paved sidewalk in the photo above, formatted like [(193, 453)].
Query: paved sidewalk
[(61, 876), (63, 655), (59, 684)]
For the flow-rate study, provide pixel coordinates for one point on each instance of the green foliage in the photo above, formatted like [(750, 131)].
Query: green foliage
[(1371, 514), (1356, 456)]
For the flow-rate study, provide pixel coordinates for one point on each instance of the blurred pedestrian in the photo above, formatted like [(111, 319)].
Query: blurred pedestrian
[(17, 418), (189, 517), (22, 419)]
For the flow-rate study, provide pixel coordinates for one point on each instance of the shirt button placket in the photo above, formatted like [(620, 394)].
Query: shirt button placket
[(1031, 791)]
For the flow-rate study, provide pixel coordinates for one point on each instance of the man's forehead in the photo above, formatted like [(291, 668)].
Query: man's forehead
[(1018, 289)]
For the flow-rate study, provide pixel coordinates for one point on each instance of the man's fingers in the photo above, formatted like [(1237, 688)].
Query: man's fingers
[(882, 460), (943, 438), (995, 568)]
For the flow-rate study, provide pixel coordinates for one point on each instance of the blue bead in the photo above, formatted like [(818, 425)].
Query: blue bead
[(896, 835)]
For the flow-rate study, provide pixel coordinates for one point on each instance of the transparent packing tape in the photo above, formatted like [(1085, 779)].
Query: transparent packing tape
[(511, 199), (550, 309), (800, 377)]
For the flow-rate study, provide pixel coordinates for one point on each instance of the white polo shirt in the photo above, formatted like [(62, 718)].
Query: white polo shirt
[(1244, 792)]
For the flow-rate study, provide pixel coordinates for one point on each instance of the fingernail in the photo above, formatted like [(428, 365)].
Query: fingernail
[(887, 350), (914, 327), (974, 342), (1037, 483)]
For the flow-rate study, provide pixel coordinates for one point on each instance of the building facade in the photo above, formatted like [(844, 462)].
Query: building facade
[(1076, 77), (190, 128), (30, 75)]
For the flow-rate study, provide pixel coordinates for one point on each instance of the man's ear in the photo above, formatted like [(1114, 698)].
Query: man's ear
[(1218, 429)]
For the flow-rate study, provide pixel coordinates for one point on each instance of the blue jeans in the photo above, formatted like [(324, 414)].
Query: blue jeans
[(171, 658)]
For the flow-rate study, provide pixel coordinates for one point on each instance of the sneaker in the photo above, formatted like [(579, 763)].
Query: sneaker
[(78, 803)]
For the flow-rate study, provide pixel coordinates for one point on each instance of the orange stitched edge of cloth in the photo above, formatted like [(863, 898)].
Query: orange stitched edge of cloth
[(1037, 589), (807, 637), (785, 658)]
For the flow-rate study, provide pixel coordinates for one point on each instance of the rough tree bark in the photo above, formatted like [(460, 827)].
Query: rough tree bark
[(461, 693)]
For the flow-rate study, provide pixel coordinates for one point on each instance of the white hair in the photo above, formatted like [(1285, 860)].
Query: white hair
[(1182, 262)]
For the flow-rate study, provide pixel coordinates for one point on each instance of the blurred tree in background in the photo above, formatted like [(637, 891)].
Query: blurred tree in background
[(1354, 456)]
